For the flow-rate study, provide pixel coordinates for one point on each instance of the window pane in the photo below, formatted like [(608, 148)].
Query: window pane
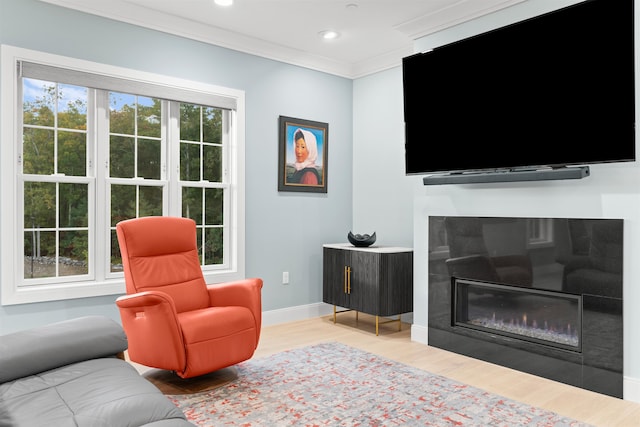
[(37, 154), (116, 257), (73, 250), (122, 116), (39, 254), (189, 162), (149, 114), (74, 205), (72, 153), (189, 122), (213, 253), (199, 233), (149, 158), (211, 125), (123, 203), (72, 107), (150, 201), (38, 102), (56, 107), (212, 166), (200, 150), (214, 206), (121, 157), (39, 205), (201, 161), (125, 199), (192, 204), (132, 118)]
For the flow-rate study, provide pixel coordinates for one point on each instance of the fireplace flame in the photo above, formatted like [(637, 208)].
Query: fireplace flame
[(545, 330)]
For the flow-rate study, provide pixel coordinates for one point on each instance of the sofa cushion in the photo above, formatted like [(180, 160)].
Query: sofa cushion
[(58, 344), (105, 392)]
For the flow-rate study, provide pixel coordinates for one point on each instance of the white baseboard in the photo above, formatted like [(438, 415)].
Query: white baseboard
[(420, 334), (301, 312), (291, 314), (631, 389)]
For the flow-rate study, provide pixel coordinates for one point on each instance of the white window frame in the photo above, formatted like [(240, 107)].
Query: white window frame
[(543, 234), (10, 118)]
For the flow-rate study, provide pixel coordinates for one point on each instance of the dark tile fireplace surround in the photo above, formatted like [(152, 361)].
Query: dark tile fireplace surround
[(540, 295)]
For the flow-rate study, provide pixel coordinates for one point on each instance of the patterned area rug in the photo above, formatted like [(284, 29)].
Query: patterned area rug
[(332, 384)]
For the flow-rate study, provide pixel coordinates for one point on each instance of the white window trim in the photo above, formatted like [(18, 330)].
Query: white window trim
[(9, 119), (545, 237)]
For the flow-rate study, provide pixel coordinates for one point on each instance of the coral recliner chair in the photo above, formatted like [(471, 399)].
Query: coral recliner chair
[(172, 319)]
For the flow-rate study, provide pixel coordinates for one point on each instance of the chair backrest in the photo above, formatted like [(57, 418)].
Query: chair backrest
[(160, 253), (465, 236)]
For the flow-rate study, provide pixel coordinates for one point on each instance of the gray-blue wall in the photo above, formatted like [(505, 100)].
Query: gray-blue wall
[(284, 231), (383, 194)]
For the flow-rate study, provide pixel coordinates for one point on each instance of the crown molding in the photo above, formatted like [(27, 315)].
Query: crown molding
[(132, 13), (455, 14), (123, 11)]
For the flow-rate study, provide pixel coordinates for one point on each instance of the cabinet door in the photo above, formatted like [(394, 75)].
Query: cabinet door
[(334, 276), (396, 284), (364, 267)]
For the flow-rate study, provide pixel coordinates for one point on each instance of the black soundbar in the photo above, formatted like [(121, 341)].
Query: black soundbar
[(577, 172)]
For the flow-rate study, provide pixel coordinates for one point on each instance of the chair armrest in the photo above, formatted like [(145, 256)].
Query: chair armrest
[(155, 338), (478, 267), (574, 263), (522, 261), (58, 344), (243, 293)]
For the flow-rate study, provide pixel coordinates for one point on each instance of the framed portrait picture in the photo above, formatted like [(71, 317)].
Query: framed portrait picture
[(302, 164)]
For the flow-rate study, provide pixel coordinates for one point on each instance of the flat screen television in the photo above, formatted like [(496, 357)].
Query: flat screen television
[(547, 92)]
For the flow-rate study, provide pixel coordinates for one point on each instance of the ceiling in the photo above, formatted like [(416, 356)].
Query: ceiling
[(374, 34)]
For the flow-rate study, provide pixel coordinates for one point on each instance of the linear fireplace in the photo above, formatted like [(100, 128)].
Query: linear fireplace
[(541, 295), (543, 317)]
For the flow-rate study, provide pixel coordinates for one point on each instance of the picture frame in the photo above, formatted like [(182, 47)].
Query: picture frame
[(302, 155)]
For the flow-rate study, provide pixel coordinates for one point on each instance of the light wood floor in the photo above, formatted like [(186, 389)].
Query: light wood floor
[(593, 408)]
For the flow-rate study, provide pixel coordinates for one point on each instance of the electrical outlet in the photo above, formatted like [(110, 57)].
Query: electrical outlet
[(285, 277)]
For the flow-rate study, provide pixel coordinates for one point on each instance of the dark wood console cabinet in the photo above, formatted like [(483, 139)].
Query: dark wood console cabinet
[(376, 280)]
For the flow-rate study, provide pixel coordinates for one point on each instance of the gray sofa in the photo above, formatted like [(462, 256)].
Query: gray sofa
[(69, 374)]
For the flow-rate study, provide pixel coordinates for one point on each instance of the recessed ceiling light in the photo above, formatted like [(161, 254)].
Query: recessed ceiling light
[(223, 2), (329, 34)]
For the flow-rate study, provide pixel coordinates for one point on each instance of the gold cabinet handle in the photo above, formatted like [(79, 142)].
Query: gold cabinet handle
[(344, 281), (347, 279)]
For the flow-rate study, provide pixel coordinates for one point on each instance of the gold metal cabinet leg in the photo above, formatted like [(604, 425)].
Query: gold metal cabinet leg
[(399, 320), (336, 311)]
